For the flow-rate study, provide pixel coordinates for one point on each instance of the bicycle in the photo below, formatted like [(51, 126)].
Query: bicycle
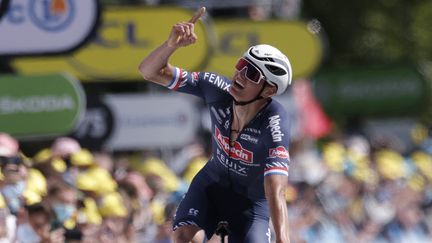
[(222, 230)]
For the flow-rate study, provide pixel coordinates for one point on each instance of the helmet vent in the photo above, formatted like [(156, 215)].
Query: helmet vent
[(275, 70), (259, 58)]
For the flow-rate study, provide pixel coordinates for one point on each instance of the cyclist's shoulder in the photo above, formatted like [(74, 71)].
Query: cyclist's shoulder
[(275, 123), (213, 77), (215, 85), (275, 109)]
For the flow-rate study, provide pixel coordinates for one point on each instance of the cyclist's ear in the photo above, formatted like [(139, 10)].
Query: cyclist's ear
[(269, 90)]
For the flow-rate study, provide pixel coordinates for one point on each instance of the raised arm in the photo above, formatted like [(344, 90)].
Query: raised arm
[(274, 186), (155, 66)]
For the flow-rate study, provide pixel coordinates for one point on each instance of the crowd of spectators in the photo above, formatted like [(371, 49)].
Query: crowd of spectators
[(349, 190), (66, 193), (340, 190)]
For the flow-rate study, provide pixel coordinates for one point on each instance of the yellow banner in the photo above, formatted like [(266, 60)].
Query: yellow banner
[(126, 36), (302, 47)]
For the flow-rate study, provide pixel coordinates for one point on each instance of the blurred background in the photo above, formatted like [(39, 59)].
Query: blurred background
[(90, 152)]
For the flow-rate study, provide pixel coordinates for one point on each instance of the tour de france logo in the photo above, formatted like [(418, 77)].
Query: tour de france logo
[(52, 15)]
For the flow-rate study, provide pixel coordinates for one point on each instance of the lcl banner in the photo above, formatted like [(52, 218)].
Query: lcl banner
[(36, 27)]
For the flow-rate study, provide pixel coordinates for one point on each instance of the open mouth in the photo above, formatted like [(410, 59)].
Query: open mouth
[(238, 85)]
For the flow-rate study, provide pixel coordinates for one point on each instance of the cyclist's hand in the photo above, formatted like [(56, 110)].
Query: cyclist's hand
[(183, 33)]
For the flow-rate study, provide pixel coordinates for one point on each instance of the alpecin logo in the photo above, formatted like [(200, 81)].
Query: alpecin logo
[(275, 129), (279, 152), (237, 151)]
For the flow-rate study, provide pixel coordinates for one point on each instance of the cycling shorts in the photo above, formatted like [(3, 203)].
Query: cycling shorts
[(207, 202)]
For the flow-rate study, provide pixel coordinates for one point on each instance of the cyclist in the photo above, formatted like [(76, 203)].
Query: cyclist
[(244, 181)]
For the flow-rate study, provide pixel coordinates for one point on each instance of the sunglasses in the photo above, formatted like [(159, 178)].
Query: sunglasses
[(252, 72), (10, 160)]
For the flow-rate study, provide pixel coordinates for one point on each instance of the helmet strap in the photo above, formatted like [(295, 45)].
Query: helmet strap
[(258, 97)]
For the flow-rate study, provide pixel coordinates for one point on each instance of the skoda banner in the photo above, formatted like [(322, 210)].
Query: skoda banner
[(35, 27), (125, 37), (298, 40), (40, 106), (151, 121)]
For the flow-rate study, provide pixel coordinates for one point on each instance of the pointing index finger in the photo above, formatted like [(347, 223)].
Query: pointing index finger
[(199, 13)]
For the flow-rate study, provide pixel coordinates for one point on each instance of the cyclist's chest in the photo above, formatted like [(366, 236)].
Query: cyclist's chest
[(243, 148)]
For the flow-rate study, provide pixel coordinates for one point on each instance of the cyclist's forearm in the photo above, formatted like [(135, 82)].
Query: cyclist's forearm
[(155, 66), (279, 216), (275, 194)]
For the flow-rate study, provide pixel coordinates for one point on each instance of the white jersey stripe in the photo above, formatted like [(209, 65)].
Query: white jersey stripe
[(175, 79), (275, 171)]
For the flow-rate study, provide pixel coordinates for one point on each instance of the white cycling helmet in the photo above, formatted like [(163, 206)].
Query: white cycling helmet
[(273, 64)]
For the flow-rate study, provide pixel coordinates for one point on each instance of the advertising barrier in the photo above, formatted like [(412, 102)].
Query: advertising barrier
[(125, 37), (96, 125), (36, 27), (4, 5), (151, 121), (372, 91), (40, 106)]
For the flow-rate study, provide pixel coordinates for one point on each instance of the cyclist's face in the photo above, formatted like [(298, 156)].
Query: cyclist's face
[(242, 88)]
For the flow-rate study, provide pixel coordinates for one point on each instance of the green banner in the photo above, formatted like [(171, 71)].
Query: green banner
[(393, 91), (43, 105)]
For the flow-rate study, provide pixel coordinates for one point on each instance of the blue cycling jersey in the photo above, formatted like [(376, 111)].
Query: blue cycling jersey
[(261, 148)]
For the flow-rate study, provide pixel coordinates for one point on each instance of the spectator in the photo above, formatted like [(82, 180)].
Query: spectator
[(39, 220), (14, 182)]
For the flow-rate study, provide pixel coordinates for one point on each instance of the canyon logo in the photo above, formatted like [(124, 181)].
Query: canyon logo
[(236, 152)]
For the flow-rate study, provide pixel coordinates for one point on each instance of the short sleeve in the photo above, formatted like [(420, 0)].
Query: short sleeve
[(208, 86), (277, 142)]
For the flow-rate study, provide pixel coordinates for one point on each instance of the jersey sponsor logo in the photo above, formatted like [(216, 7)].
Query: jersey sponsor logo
[(227, 123), (217, 80), (236, 152), (268, 234), (252, 130), (193, 212), (274, 125), (228, 110), (279, 152), (235, 167), (249, 138)]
